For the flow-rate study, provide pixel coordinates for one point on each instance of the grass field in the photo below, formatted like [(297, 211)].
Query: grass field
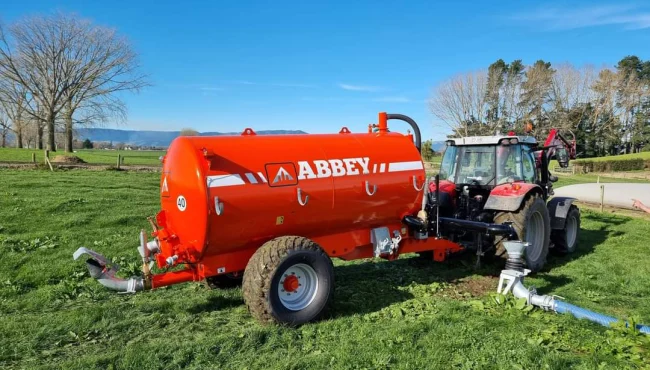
[(407, 314), (642, 155), (92, 156)]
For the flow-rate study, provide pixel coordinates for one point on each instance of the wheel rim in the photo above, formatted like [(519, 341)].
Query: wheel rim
[(297, 287), (571, 232), (535, 235)]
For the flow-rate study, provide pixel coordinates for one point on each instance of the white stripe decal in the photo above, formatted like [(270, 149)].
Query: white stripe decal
[(224, 180), (405, 166), (382, 169), (251, 178), (261, 175), (374, 168)]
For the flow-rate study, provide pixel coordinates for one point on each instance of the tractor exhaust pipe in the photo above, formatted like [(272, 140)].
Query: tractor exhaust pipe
[(513, 276), (104, 272)]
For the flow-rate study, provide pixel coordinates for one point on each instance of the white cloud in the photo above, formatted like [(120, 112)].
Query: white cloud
[(359, 87), (562, 18)]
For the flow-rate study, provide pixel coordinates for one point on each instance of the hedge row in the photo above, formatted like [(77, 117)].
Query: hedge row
[(613, 165)]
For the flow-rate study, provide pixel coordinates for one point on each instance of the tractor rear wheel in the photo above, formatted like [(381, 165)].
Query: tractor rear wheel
[(533, 225), (566, 240), (289, 280)]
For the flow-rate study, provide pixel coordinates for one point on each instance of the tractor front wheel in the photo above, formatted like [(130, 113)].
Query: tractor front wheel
[(289, 280), (566, 239), (533, 225)]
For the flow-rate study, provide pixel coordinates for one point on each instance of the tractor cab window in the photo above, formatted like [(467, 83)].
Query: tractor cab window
[(448, 164), (528, 163), (468, 165), (509, 164)]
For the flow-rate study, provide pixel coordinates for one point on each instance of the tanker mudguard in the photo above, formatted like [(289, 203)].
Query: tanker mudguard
[(508, 197), (558, 208)]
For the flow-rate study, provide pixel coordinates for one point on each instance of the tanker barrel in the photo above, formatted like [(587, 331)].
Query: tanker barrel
[(410, 121), (481, 227)]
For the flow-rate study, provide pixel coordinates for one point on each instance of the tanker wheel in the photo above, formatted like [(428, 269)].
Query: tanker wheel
[(533, 225), (566, 240), (225, 281), (289, 280)]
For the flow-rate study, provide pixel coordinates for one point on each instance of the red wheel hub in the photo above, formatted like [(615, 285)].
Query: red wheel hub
[(291, 283)]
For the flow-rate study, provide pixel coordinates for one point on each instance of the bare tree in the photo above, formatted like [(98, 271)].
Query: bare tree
[(5, 126), (12, 101), (68, 65), (189, 132), (571, 94), (461, 103), (102, 64)]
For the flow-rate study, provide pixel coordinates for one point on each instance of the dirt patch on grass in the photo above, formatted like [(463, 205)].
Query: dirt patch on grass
[(475, 286), (67, 159)]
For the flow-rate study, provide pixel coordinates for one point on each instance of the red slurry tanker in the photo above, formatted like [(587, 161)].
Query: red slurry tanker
[(273, 210)]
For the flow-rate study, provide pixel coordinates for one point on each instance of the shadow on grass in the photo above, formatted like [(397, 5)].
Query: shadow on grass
[(370, 285), (215, 303)]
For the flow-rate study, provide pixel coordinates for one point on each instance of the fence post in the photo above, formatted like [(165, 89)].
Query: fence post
[(33, 157), (602, 197), (119, 160)]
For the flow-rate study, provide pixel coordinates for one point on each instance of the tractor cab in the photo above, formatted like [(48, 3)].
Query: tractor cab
[(488, 161)]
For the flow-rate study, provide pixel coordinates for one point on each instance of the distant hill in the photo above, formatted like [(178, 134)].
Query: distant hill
[(155, 138), (438, 146)]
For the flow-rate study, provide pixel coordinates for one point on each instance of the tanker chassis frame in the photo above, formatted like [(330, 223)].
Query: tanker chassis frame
[(289, 279)]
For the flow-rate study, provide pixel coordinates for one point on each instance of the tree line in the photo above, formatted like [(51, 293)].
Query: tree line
[(58, 72), (608, 109)]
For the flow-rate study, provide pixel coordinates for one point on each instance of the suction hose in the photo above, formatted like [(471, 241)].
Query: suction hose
[(513, 277), (104, 272)]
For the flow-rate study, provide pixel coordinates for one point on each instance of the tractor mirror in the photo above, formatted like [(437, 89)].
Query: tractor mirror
[(562, 157)]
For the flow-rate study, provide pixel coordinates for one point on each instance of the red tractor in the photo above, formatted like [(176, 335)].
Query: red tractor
[(506, 179)]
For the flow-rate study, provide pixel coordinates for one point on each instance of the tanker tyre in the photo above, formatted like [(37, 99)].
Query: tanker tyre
[(566, 240), (289, 280), (533, 225)]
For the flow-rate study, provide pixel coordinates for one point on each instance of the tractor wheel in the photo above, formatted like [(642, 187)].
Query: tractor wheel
[(289, 280), (225, 281), (533, 225), (566, 240)]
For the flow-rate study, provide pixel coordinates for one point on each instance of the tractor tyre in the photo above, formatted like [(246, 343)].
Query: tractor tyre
[(533, 225), (225, 281), (566, 240), (289, 280)]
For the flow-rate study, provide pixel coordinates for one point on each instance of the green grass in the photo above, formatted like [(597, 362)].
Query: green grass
[(642, 155), (93, 156), (564, 180), (406, 314)]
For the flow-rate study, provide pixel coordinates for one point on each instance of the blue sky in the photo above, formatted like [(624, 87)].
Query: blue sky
[(318, 66)]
